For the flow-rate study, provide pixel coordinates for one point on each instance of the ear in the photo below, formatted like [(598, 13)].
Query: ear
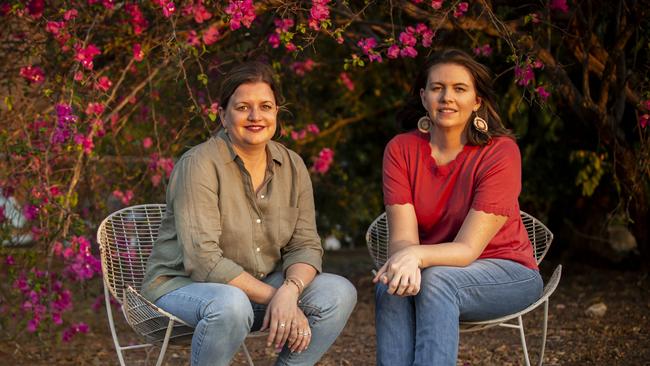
[(479, 103)]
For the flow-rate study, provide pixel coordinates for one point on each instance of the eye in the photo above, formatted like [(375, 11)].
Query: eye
[(267, 107), (459, 89), (436, 88), (241, 108)]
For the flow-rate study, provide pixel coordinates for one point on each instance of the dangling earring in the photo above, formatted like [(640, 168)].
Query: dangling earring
[(424, 124), (480, 124)]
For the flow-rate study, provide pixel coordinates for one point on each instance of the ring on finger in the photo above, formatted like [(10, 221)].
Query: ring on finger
[(282, 325)]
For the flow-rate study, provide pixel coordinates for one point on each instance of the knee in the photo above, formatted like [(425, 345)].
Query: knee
[(336, 292), (438, 281), (232, 307)]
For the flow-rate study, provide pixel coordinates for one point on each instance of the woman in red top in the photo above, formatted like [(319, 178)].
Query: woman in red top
[(458, 248)]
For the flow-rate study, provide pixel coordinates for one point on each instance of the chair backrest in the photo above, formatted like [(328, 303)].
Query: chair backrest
[(125, 239), (377, 238)]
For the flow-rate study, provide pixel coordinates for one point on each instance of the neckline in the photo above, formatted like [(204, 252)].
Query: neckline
[(445, 169)]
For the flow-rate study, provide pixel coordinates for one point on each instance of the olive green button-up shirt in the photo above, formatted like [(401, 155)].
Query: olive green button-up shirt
[(216, 226)]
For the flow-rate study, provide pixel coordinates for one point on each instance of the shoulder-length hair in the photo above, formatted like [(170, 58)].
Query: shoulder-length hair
[(408, 116)]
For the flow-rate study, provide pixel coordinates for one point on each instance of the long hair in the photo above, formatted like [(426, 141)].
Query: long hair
[(408, 116)]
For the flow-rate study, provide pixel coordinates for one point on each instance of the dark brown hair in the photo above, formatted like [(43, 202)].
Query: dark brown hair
[(249, 72), (408, 116)]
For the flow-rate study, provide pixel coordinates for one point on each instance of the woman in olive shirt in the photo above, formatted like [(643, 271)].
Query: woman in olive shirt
[(238, 248)]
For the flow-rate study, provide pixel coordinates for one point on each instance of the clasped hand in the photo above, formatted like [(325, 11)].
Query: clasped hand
[(286, 322), (401, 273)]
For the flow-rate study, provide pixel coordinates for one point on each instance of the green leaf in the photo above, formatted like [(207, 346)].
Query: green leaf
[(203, 78), (9, 103), (212, 116)]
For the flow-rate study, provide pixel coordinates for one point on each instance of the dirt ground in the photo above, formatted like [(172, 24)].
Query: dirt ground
[(620, 337)]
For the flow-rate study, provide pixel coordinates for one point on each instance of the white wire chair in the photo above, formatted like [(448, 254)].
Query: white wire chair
[(540, 237), (125, 239)]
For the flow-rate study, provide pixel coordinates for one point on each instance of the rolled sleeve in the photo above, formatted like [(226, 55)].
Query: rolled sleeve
[(304, 246), (193, 194)]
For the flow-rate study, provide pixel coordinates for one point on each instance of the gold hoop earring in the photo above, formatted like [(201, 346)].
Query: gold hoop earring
[(424, 124), (480, 124)]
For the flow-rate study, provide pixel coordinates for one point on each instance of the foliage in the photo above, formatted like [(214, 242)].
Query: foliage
[(101, 96)]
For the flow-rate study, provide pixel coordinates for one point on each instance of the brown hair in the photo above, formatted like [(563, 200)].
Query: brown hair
[(408, 116), (249, 72)]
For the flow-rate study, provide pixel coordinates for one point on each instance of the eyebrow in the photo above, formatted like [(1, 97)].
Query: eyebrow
[(441, 83)]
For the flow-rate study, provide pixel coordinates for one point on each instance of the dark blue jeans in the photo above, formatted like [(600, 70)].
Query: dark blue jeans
[(423, 329)]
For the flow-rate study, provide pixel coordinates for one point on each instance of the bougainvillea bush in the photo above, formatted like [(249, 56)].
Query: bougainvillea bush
[(99, 97)]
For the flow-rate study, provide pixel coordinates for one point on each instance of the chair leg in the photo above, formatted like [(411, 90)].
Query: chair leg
[(523, 340), (544, 329), (163, 348), (109, 311), (248, 355)]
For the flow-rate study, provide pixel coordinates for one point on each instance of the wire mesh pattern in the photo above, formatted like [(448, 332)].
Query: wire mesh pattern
[(540, 237), (126, 239)]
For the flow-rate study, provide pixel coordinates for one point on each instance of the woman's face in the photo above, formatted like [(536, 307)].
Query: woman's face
[(251, 115), (450, 96)]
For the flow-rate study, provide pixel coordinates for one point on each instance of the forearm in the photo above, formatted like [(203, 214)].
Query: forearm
[(256, 290), (455, 254), (301, 271)]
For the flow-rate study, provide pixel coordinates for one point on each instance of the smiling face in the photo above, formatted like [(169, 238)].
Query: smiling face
[(250, 116), (450, 96)]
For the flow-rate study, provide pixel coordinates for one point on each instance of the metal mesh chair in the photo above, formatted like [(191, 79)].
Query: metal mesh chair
[(540, 237), (125, 239)]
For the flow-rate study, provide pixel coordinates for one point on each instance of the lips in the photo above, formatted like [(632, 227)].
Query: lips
[(255, 128)]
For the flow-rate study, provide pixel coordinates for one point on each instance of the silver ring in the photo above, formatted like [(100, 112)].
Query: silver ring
[(282, 325)]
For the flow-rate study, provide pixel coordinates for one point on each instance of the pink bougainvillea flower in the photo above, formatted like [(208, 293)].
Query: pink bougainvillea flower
[(367, 45), (30, 212), (210, 35), (103, 84), (85, 142), (644, 120), (70, 14), (323, 161), (437, 4), (541, 91), (147, 142), (298, 135), (124, 197), (9, 261), (524, 75), (408, 51), (242, 12), (193, 38), (198, 11), (484, 50), (301, 68), (168, 8), (461, 9), (32, 74), (35, 8), (313, 129), (85, 55), (138, 21), (54, 27), (537, 64), (274, 40), (407, 38), (95, 108), (559, 5), (318, 13), (393, 51), (347, 82), (138, 54)]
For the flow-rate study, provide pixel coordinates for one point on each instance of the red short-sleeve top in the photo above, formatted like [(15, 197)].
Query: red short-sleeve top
[(485, 178)]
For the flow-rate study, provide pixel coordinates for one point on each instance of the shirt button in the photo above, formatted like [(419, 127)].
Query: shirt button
[(261, 275), (262, 196), (257, 249), (259, 221)]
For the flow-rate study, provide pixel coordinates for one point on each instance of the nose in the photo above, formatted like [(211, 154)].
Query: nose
[(445, 95), (254, 114)]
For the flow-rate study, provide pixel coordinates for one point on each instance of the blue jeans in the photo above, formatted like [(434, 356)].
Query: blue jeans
[(223, 316), (423, 329)]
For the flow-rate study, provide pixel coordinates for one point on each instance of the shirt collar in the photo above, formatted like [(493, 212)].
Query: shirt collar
[(227, 149)]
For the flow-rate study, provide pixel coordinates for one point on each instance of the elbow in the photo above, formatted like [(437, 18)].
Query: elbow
[(468, 255)]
